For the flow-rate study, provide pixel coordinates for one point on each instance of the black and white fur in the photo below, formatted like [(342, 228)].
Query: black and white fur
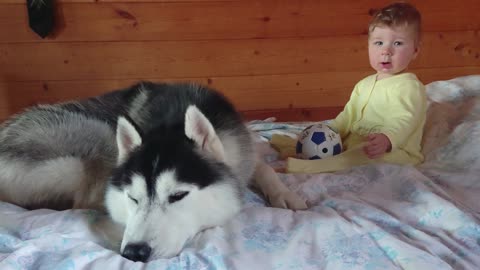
[(164, 160)]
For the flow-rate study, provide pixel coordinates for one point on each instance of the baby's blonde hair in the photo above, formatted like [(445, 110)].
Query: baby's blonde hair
[(398, 15)]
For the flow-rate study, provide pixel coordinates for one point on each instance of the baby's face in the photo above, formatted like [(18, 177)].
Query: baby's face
[(391, 50)]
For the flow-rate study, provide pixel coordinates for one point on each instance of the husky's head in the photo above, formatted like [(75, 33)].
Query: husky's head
[(169, 186)]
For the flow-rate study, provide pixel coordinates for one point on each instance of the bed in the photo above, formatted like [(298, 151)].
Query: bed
[(369, 217)]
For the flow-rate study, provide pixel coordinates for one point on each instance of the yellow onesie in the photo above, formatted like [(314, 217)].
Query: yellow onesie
[(395, 106)]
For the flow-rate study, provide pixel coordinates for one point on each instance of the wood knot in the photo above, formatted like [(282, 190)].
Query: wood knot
[(125, 14), (459, 47)]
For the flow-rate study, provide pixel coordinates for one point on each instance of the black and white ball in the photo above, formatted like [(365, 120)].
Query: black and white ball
[(318, 141)]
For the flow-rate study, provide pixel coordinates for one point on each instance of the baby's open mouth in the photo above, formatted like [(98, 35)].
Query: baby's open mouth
[(386, 64)]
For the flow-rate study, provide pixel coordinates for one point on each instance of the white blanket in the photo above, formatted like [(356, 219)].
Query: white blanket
[(370, 217)]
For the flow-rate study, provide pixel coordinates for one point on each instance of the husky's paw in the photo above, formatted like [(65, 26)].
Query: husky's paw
[(170, 252), (288, 200), (108, 232)]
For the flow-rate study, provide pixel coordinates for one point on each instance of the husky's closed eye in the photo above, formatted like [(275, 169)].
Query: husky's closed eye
[(133, 199), (177, 196)]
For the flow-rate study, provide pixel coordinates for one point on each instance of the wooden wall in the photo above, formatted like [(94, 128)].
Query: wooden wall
[(294, 59)]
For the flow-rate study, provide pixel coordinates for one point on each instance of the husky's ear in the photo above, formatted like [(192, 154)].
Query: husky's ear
[(127, 138), (200, 130)]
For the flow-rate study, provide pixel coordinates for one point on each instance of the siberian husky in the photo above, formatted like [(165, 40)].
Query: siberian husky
[(166, 161)]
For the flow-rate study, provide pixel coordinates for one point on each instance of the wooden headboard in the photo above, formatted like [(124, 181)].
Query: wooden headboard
[(297, 60)]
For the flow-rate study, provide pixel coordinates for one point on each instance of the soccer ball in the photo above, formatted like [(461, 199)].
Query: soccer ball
[(318, 141)]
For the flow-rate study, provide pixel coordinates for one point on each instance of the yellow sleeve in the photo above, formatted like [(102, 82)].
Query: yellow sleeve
[(407, 112), (344, 120)]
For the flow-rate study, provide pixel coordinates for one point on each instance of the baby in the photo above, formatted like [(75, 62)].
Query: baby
[(384, 118)]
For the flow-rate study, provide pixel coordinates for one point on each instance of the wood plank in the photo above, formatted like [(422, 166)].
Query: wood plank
[(206, 20), (442, 74), (293, 92), (247, 93), (135, 60), (289, 115), (22, 2)]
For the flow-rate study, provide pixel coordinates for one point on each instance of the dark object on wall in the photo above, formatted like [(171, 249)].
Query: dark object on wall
[(40, 16)]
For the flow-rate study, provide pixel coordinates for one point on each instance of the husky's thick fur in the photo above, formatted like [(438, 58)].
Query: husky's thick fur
[(164, 160)]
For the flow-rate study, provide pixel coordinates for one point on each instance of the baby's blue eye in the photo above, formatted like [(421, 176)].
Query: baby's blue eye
[(378, 43), (398, 43)]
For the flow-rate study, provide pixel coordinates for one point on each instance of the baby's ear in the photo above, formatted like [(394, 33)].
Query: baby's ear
[(200, 130), (417, 50), (128, 138)]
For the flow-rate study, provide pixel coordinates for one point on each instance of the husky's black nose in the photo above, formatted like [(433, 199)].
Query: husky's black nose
[(137, 252)]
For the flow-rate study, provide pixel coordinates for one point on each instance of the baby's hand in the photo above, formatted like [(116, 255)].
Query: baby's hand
[(377, 145)]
